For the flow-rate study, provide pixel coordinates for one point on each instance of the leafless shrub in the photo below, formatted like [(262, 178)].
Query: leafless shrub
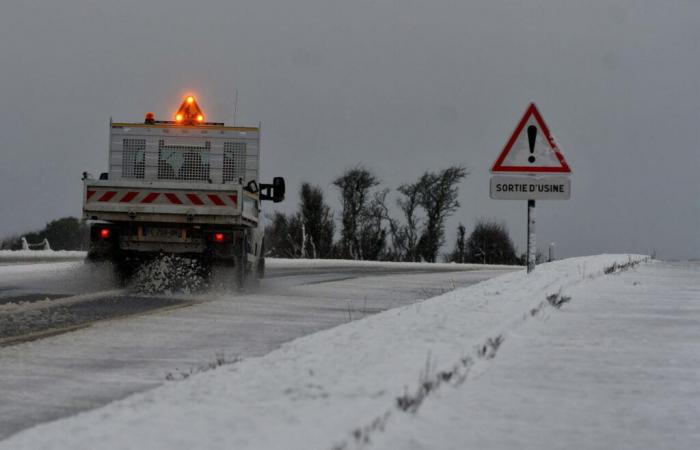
[(220, 360), (362, 434), (489, 348), (429, 381), (623, 267), (557, 299)]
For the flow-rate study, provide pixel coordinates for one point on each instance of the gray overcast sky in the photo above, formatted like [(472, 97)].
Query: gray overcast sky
[(398, 85)]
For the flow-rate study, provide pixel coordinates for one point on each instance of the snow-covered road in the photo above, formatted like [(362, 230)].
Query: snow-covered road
[(68, 373), (38, 298)]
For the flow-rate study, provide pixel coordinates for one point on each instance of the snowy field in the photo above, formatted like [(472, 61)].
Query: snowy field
[(617, 367), (567, 357)]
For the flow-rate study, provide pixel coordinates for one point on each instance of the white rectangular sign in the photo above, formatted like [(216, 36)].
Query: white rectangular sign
[(523, 187)]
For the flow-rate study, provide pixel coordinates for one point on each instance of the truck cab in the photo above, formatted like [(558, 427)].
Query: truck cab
[(185, 186)]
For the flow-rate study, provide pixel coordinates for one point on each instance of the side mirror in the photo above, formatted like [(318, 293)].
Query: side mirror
[(274, 191), (278, 188)]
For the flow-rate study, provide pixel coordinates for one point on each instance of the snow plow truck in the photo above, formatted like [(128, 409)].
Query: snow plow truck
[(185, 187)]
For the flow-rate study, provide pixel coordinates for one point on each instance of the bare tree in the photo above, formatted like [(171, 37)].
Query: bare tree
[(284, 236), (355, 185), (437, 195), (373, 227), (305, 234), (405, 237), (318, 223), (459, 255)]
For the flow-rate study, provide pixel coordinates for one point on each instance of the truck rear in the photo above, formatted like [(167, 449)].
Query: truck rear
[(186, 187)]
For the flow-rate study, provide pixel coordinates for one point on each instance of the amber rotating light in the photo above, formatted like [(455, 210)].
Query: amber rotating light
[(189, 112)]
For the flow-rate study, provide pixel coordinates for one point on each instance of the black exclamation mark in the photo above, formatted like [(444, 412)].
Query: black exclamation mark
[(531, 136)]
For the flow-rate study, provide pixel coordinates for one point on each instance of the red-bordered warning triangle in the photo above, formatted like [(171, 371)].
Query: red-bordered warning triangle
[(531, 148)]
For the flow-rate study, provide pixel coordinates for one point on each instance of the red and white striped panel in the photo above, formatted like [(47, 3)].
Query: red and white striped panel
[(162, 198)]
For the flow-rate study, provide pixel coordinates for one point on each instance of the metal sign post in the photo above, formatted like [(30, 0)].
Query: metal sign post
[(531, 245), (531, 167)]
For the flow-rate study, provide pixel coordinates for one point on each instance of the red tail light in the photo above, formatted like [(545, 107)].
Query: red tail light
[(105, 233), (219, 237)]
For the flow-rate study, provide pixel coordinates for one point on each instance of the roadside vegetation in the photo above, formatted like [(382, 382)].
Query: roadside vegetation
[(377, 223), (66, 233), (488, 243)]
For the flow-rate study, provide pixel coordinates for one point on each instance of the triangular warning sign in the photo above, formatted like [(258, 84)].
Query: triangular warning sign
[(189, 111), (531, 148)]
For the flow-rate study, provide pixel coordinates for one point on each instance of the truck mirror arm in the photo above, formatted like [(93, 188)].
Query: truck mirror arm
[(252, 187)]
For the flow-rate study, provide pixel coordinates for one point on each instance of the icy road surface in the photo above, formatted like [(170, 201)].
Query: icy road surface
[(109, 359)]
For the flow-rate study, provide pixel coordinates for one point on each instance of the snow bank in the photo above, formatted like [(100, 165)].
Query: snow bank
[(41, 255), (617, 367), (272, 263), (17, 272), (281, 263), (332, 389), (285, 263)]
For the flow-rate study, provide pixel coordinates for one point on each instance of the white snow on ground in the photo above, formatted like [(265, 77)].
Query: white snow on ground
[(618, 367), (284, 263), (314, 391), (42, 270), (272, 263), (29, 255)]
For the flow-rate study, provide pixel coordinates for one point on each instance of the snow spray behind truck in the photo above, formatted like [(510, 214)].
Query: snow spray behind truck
[(186, 187)]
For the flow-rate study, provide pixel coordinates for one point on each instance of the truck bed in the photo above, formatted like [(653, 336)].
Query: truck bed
[(174, 202)]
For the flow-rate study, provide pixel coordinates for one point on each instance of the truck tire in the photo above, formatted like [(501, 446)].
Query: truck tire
[(120, 271), (123, 271)]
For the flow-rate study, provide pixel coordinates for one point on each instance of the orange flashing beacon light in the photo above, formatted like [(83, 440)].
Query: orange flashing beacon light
[(189, 112)]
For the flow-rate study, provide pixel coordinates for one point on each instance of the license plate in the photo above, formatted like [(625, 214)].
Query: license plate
[(163, 233)]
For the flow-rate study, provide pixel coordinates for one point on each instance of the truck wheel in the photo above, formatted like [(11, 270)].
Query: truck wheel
[(100, 267), (119, 271), (122, 272)]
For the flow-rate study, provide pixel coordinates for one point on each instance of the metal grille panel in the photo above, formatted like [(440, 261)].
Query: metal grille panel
[(234, 161), (183, 162), (133, 158)]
